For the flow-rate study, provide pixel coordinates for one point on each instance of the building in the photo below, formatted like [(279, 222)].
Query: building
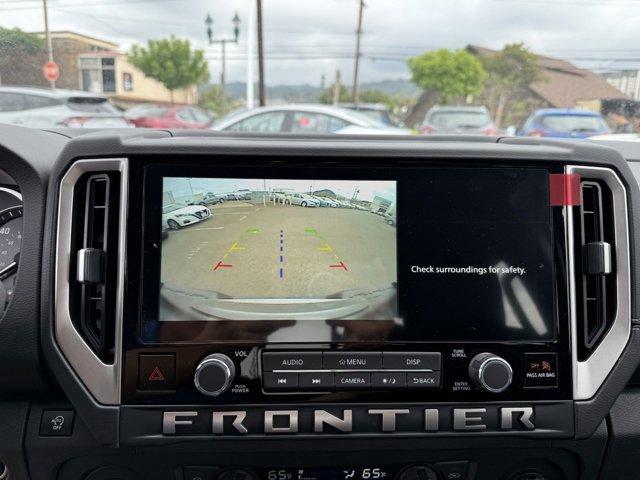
[(380, 205), (94, 65), (627, 81)]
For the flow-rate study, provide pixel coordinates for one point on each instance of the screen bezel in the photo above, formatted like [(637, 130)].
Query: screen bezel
[(149, 200)]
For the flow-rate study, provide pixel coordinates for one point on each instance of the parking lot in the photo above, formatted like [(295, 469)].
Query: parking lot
[(281, 251)]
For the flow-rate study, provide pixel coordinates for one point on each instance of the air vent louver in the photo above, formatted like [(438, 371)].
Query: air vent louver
[(596, 287), (96, 256)]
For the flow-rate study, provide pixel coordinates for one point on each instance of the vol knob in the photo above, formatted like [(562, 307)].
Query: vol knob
[(214, 374), (490, 372)]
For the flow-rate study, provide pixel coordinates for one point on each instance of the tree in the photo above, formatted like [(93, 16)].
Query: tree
[(172, 62), (14, 40), (451, 74), (377, 96), (215, 100), (509, 72), (327, 95)]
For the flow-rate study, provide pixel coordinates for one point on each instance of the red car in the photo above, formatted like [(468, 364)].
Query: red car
[(177, 117)]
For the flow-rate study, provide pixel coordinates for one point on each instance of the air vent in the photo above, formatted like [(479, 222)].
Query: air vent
[(594, 265), (95, 254)]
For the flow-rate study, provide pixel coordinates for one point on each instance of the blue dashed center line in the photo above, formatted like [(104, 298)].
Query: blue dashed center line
[(281, 251)]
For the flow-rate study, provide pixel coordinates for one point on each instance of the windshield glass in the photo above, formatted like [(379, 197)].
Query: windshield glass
[(334, 67), (455, 119), (572, 123)]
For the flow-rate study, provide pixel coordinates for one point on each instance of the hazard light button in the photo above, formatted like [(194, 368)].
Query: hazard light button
[(156, 372)]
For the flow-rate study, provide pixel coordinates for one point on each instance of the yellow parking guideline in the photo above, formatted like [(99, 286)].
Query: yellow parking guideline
[(326, 248), (236, 247)]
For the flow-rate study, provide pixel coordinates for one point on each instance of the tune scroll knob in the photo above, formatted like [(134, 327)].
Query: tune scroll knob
[(214, 374), (490, 372)]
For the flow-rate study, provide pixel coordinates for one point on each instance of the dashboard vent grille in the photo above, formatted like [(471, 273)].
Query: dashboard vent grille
[(96, 258), (595, 284)]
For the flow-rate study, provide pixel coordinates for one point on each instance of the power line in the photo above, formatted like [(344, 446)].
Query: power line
[(85, 4)]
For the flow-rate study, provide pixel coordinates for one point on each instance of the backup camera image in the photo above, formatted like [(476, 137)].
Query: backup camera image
[(269, 249)]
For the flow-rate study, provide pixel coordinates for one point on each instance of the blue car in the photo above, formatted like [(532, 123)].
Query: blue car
[(564, 123)]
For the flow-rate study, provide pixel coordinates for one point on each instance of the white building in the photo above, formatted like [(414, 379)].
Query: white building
[(627, 81)]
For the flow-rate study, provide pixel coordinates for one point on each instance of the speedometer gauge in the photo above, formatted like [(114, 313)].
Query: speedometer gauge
[(10, 241)]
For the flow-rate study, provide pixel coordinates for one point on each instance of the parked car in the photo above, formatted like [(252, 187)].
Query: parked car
[(377, 111), (176, 216), (458, 120), (176, 117), (45, 108), (306, 119), (564, 123), (207, 199), (390, 219), (243, 194), (324, 201), (303, 200)]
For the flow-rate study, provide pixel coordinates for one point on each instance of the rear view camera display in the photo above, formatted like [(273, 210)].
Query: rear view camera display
[(268, 249)]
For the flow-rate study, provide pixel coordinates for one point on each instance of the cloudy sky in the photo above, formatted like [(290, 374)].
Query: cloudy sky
[(306, 39), (181, 186)]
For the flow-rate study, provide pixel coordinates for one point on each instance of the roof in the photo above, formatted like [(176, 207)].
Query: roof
[(59, 93), (348, 115), (80, 37), (459, 108), (567, 111), (563, 84)]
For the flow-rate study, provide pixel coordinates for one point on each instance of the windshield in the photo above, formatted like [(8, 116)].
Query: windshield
[(455, 119), (573, 123), (171, 208), (481, 67)]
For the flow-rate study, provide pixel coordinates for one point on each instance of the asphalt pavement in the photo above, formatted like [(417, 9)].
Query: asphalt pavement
[(281, 251)]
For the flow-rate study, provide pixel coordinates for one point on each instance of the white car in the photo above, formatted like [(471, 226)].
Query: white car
[(303, 200), (312, 119), (46, 108), (175, 216)]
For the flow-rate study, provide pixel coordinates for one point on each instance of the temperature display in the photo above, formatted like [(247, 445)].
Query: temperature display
[(344, 473)]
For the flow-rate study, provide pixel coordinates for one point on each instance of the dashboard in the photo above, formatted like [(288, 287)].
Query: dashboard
[(227, 307)]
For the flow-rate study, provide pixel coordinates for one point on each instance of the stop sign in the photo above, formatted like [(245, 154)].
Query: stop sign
[(51, 71)]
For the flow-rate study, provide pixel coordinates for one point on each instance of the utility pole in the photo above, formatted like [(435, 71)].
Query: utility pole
[(48, 37), (336, 89), (354, 93), (261, 94), (223, 42), (251, 41)]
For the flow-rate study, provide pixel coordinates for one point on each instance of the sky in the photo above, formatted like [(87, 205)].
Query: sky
[(181, 186), (308, 39)]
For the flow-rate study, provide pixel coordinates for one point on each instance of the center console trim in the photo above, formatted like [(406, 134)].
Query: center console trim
[(590, 374), (102, 379)]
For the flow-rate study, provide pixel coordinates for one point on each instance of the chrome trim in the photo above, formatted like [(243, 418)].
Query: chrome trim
[(101, 379), (484, 364), (16, 194), (228, 368), (590, 374)]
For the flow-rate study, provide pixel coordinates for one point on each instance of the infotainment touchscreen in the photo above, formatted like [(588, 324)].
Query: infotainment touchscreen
[(260, 249), (402, 254)]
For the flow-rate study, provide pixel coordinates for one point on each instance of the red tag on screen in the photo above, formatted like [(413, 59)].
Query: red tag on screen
[(564, 189)]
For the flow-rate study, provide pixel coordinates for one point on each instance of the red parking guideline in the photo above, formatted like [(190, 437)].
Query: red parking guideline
[(339, 265), (221, 265)]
